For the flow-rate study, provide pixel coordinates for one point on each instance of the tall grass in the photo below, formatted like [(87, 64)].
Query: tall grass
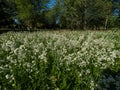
[(60, 60)]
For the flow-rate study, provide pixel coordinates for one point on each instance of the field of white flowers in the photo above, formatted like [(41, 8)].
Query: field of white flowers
[(60, 60)]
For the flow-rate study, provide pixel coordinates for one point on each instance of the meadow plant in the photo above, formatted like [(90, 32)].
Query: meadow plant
[(60, 60)]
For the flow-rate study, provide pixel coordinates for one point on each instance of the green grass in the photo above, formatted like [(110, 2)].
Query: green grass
[(60, 60)]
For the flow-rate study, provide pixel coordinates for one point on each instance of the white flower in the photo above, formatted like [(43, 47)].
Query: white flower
[(22, 47), (16, 51), (28, 65), (88, 71), (7, 76)]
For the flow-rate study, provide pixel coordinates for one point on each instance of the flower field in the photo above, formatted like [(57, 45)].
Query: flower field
[(60, 60)]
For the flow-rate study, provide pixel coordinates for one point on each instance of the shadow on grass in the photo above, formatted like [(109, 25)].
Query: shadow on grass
[(109, 80)]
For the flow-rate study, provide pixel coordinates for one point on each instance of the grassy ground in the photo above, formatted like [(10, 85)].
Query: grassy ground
[(60, 60)]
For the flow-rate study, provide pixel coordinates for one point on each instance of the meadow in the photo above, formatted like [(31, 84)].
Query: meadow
[(60, 60)]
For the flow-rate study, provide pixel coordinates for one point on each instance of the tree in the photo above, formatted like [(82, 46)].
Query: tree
[(53, 14), (6, 14), (95, 13), (73, 14), (86, 13), (109, 10), (31, 11), (70, 14)]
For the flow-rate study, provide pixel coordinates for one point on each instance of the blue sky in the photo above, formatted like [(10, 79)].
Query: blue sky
[(51, 3), (116, 12)]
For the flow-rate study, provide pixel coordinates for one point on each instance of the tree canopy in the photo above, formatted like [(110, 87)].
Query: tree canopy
[(65, 14)]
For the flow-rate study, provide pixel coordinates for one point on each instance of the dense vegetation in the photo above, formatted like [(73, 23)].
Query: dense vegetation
[(69, 14), (60, 60)]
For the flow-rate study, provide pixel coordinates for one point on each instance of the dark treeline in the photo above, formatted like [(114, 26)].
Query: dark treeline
[(65, 14)]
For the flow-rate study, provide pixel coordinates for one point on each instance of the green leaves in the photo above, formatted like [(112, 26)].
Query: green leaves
[(30, 12), (59, 60)]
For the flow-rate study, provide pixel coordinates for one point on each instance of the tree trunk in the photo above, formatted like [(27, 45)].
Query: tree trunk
[(106, 23)]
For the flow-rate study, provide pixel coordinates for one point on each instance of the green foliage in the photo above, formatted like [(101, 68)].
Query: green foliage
[(60, 60), (95, 13), (73, 14), (31, 12), (6, 14), (65, 14), (117, 22), (83, 14)]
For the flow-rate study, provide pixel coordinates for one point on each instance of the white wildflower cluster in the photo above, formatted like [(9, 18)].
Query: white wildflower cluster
[(84, 50)]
